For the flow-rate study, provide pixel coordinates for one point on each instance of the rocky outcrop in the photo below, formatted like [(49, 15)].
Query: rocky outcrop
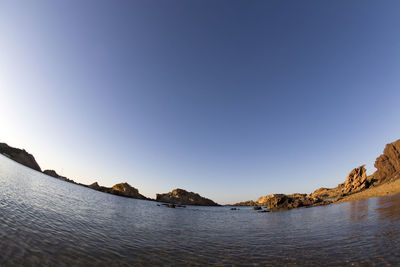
[(54, 174), (326, 193), (122, 189), (126, 190), (183, 197), (95, 186), (388, 164), (20, 156), (246, 203), (355, 181), (282, 201)]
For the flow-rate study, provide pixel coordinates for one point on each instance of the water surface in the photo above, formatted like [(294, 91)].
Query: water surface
[(45, 221)]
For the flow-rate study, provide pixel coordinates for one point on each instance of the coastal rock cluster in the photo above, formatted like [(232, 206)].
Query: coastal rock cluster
[(20, 156), (183, 197), (387, 165)]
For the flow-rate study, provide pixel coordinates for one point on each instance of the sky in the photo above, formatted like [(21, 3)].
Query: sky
[(230, 99)]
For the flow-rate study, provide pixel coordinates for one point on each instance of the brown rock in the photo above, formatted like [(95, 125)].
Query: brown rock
[(388, 164), (126, 190), (356, 180), (282, 201), (180, 196), (20, 156), (94, 186), (54, 174), (122, 189), (246, 203)]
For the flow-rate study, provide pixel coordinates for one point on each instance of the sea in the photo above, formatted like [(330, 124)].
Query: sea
[(48, 222)]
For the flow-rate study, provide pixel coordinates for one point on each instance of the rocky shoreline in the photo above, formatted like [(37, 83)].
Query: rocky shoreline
[(357, 185)]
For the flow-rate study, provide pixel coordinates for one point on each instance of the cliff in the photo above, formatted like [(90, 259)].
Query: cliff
[(20, 156), (183, 197)]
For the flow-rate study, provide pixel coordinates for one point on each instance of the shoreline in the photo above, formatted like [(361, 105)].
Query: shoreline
[(386, 189)]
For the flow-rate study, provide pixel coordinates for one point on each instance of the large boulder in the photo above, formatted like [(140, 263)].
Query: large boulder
[(388, 164), (355, 181), (20, 156), (183, 197)]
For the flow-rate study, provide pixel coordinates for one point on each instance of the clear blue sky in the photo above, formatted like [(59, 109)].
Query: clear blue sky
[(230, 99)]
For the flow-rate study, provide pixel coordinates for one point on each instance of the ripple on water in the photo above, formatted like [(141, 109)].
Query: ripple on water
[(45, 221)]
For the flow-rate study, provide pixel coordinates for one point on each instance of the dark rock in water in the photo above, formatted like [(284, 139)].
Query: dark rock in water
[(180, 196), (234, 208), (263, 211), (355, 181), (20, 156), (388, 164), (257, 208)]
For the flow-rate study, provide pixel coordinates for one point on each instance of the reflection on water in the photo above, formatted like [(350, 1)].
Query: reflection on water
[(44, 221), (358, 209), (389, 208)]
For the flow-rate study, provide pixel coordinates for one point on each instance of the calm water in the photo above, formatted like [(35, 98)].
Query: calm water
[(44, 221)]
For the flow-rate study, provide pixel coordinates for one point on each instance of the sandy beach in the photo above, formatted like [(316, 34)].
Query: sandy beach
[(386, 189)]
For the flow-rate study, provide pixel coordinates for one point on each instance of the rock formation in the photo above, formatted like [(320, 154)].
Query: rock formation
[(388, 164), (247, 203), (355, 181), (183, 197), (122, 189), (20, 156), (54, 174), (282, 201)]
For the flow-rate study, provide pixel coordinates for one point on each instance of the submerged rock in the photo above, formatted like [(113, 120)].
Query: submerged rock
[(180, 196), (20, 156)]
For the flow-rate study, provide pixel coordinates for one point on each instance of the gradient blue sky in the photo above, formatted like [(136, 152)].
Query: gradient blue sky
[(230, 99)]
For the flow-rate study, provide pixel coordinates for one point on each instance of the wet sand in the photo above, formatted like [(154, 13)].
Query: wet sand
[(386, 189)]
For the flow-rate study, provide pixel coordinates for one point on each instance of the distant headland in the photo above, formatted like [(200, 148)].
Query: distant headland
[(384, 181)]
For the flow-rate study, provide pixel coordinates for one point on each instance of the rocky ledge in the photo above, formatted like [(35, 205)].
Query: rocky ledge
[(20, 156), (183, 197), (122, 189)]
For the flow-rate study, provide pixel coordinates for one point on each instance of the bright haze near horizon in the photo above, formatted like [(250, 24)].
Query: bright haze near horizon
[(230, 99)]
